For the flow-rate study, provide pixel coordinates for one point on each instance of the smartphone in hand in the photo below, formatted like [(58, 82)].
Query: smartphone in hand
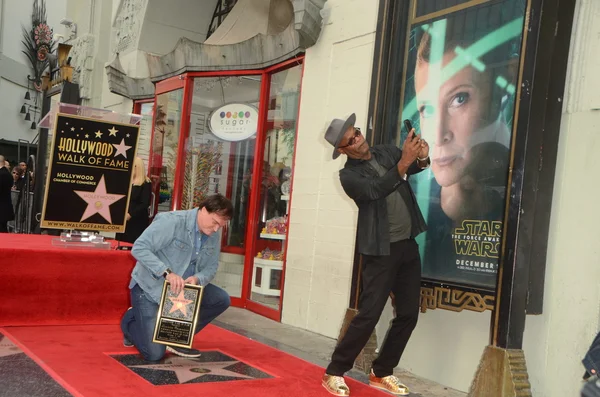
[(409, 127)]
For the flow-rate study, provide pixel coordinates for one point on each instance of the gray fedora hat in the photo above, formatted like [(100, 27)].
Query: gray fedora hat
[(336, 130)]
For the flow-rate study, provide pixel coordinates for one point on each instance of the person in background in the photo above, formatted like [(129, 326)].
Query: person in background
[(18, 180), (19, 186), (7, 212), (181, 247), (139, 201), (23, 166)]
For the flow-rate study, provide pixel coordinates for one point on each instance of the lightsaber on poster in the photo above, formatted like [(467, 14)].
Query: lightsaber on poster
[(460, 81), (89, 175)]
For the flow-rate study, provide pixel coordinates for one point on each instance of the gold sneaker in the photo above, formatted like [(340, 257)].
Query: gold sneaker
[(389, 383), (335, 385)]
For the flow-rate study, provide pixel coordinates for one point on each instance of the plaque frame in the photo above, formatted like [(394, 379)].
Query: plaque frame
[(162, 320)]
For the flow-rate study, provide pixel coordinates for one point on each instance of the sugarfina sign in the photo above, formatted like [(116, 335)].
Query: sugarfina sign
[(234, 122)]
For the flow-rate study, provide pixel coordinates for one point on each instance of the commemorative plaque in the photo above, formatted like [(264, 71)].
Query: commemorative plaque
[(178, 315)]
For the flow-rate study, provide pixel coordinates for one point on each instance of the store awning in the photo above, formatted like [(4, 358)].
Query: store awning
[(256, 34)]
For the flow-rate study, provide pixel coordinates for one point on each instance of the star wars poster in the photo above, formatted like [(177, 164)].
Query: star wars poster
[(89, 174), (459, 93)]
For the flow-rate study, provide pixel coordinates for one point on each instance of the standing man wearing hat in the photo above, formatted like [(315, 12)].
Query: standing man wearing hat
[(389, 219)]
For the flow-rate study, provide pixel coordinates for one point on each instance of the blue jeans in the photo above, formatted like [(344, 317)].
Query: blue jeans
[(138, 323)]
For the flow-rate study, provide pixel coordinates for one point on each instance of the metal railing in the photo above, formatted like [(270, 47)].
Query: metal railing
[(222, 9), (22, 202)]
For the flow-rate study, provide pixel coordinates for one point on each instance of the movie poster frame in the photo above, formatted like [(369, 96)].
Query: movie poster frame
[(525, 170)]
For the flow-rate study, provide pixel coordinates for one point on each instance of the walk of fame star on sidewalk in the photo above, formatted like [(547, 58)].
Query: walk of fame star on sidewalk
[(212, 366), (187, 369)]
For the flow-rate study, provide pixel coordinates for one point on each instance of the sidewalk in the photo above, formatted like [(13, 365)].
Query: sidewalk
[(313, 348)]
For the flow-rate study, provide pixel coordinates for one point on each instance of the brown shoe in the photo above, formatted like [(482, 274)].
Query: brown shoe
[(335, 385), (389, 383)]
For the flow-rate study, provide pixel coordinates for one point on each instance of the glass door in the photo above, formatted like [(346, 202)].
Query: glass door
[(164, 152), (146, 110), (278, 143), (219, 158)]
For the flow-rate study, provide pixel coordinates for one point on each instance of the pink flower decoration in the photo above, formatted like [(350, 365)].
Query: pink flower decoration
[(42, 54), (42, 34)]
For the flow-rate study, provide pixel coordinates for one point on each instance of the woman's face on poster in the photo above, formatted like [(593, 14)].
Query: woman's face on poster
[(453, 114)]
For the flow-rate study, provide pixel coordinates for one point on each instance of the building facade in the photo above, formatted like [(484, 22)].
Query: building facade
[(14, 71), (125, 55)]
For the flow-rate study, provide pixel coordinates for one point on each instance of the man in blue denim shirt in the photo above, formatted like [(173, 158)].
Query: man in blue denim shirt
[(182, 247)]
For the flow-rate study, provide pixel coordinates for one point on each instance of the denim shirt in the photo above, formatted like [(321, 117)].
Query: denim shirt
[(170, 242), (199, 239)]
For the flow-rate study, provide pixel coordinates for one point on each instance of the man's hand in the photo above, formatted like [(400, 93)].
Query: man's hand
[(424, 152), (410, 151), (423, 159), (412, 147), (176, 282), (192, 280), (128, 217)]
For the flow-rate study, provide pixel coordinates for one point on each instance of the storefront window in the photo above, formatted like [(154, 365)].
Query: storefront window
[(273, 207), (218, 152), (164, 146), (143, 147), (219, 159)]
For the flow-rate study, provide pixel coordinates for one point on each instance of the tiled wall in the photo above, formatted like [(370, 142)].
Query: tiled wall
[(337, 78)]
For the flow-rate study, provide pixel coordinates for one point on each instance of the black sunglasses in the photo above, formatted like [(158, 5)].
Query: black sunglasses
[(353, 139)]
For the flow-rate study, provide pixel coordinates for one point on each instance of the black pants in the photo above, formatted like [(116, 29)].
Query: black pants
[(399, 274), (3, 226)]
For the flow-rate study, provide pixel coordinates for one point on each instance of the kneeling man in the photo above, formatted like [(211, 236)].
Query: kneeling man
[(182, 247)]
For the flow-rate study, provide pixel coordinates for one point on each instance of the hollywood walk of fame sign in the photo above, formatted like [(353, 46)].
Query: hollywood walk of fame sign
[(178, 315), (89, 176)]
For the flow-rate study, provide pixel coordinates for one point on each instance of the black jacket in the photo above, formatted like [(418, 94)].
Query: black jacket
[(591, 361), (362, 183), (6, 207), (139, 201)]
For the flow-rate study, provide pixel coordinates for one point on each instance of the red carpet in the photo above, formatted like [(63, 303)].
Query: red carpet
[(79, 358), (48, 285)]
